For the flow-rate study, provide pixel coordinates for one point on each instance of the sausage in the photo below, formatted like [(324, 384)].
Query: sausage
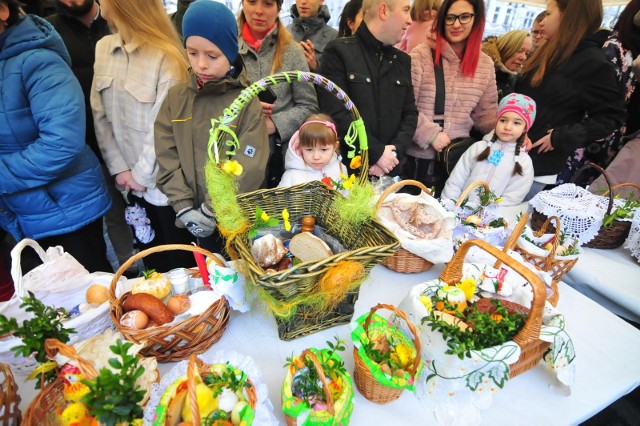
[(150, 305), (485, 305)]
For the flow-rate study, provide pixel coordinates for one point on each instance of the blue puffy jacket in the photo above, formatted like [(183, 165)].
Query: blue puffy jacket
[(50, 180)]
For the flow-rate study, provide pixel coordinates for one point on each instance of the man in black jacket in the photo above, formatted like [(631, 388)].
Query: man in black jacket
[(81, 26), (377, 78)]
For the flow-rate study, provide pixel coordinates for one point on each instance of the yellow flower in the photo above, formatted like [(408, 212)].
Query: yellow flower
[(426, 301), (468, 286), (343, 176), (285, 218), (498, 200), (402, 355), (232, 167), (264, 216), (347, 184), (355, 162)]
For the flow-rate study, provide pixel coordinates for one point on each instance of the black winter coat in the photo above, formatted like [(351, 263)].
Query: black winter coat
[(377, 78), (81, 44), (579, 100)]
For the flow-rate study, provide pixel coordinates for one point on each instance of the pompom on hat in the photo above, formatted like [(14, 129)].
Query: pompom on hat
[(215, 22), (522, 105)]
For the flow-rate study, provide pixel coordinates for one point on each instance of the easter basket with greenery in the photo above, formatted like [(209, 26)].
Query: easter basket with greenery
[(313, 295), (387, 361), (317, 389)]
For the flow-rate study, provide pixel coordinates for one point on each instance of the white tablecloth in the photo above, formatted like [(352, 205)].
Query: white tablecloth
[(607, 352)]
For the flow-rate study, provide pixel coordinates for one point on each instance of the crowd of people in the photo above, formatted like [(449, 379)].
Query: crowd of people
[(106, 106)]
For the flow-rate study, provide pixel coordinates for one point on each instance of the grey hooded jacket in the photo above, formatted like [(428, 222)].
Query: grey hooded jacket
[(314, 29)]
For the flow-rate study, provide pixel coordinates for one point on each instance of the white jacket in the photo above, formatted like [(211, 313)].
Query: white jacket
[(468, 170), (297, 172)]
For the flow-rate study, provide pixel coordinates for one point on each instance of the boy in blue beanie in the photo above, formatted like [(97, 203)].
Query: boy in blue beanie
[(210, 35)]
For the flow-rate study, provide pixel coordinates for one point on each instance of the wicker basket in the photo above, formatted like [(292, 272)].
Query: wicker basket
[(556, 267), (368, 386), (608, 237), (367, 244), (9, 398), (173, 342), (532, 348), (403, 260), (331, 404)]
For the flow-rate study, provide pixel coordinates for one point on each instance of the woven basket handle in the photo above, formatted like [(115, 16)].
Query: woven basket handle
[(468, 190), (556, 238), (8, 389), (412, 328), (191, 390), (157, 249), (518, 229), (55, 346), (452, 275), (622, 185), (16, 258), (323, 379), (606, 178), (396, 186)]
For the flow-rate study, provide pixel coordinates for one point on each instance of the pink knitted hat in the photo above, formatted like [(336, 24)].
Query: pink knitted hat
[(522, 105)]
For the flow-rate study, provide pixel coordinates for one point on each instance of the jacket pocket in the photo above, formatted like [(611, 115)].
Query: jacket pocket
[(102, 84), (356, 77), (139, 104)]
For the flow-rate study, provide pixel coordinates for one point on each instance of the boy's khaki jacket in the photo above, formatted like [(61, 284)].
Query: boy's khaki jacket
[(182, 134)]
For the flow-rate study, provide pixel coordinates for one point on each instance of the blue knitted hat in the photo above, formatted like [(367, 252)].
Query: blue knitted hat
[(215, 22)]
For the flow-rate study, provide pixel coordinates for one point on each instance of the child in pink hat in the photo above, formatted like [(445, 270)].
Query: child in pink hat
[(499, 159)]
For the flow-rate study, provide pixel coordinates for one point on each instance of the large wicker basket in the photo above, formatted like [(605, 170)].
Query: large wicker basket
[(532, 348), (403, 260), (9, 398), (608, 237), (174, 342), (368, 386), (367, 244), (556, 267)]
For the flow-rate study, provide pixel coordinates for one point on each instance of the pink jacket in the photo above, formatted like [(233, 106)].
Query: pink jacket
[(469, 102)]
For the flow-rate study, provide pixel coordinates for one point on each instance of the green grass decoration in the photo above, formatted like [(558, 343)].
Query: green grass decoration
[(358, 207)]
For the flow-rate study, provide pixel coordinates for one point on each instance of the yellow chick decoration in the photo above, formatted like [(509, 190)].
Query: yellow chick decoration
[(73, 388), (207, 403), (75, 414)]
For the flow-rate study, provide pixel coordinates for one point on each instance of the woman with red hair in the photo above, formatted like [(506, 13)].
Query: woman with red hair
[(470, 93)]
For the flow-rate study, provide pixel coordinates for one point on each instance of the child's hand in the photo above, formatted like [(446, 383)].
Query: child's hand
[(267, 109), (441, 141), (122, 180), (136, 186), (309, 54)]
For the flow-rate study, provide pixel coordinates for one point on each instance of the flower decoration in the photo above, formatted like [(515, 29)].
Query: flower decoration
[(262, 220), (232, 167), (356, 162), (328, 181), (285, 218)]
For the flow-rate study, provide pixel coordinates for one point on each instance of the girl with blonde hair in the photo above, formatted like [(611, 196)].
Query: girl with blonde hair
[(267, 47), (134, 69), (509, 52), (423, 17)]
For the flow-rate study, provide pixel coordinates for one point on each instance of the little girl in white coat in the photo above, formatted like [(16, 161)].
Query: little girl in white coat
[(499, 159), (312, 153)]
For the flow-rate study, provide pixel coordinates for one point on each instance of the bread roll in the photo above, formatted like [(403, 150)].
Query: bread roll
[(268, 250), (150, 305)]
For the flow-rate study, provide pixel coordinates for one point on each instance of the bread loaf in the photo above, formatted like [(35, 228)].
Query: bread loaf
[(268, 250), (150, 305), (309, 248)]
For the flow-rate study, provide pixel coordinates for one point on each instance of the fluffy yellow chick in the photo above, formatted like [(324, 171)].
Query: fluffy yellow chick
[(207, 403), (75, 414)]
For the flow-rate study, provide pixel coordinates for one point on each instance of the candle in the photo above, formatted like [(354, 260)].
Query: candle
[(202, 266)]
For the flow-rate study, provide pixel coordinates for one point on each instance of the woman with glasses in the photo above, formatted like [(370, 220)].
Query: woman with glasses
[(470, 94), (574, 87)]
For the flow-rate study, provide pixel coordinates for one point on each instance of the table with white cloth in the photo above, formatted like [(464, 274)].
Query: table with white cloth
[(606, 347)]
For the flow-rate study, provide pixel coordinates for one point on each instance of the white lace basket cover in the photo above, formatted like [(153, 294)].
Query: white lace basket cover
[(264, 409), (633, 240), (581, 213), (455, 389)]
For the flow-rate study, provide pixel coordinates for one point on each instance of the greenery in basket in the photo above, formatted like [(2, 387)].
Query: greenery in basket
[(624, 212), (45, 324), (565, 247), (231, 378), (393, 356), (485, 329), (473, 214), (306, 384), (114, 397)]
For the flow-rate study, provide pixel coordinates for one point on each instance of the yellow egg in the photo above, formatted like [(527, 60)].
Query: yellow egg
[(97, 294), (179, 304)]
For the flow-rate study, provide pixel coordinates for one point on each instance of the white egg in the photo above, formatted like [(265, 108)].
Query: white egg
[(227, 400)]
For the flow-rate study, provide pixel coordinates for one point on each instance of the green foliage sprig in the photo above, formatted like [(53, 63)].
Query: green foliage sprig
[(227, 379), (262, 220), (45, 324), (485, 329), (624, 212), (114, 397)]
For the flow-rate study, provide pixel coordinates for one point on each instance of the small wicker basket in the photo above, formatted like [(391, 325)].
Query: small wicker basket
[(292, 421), (9, 398), (608, 237), (174, 342), (403, 260), (556, 267), (368, 386), (532, 348)]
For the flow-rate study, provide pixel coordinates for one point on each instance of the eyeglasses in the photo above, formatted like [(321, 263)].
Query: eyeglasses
[(464, 18)]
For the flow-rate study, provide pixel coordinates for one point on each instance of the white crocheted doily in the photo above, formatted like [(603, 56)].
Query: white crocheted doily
[(580, 212), (633, 241), (264, 409)]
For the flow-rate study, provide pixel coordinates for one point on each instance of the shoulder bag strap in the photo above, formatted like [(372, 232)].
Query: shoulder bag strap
[(439, 74)]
